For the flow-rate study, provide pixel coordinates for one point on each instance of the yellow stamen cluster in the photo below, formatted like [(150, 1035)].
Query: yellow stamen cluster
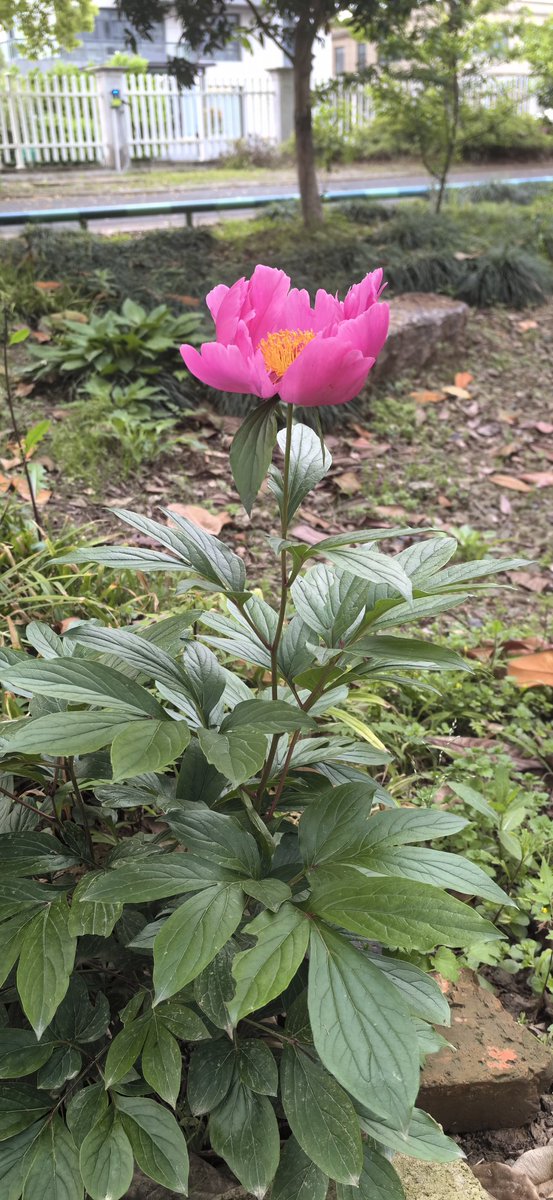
[(281, 349)]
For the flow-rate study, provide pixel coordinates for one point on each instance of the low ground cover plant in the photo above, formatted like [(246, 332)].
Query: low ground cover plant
[(209, 905)]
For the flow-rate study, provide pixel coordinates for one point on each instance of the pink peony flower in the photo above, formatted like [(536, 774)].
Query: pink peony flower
[(269, 339)]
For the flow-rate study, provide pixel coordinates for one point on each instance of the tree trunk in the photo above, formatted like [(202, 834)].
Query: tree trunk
[(311, 206)]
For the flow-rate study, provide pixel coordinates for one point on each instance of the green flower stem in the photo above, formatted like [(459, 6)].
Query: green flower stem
[(284, 585)]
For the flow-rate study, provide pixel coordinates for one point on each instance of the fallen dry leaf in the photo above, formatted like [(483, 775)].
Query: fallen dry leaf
[(304, 533), (530, 583), (532, 670), (505, 506), (208, 521), (5, 483), (390, 510), (67, 623), (22, 488), (40, 335), (426, 397), (444, 502), (543, 426), (458, 393), (510, 482), (23, 389), (463, 378), (47, 285), (190, 300), (540, 479), (524, 326), (508, 450), (349, 483)]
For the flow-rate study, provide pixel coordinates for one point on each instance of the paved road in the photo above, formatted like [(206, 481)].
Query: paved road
[(70, 197)]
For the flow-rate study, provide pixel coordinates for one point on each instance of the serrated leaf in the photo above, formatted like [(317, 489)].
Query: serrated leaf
[(162, 1062), (45, 964), (54, 1166), (361, 1027), (252, 450), (265, 970), (396, 912), (154, 878), (106, 1160), (157, 1142), (147, 746), (81, 681), (192, 936), (210, 1074), (215, 836), (20, 1106), (378, 1180), (256, 1066), (244, 1131), (298, 1178), (124, 1050), (321, 1117), (236, 755)]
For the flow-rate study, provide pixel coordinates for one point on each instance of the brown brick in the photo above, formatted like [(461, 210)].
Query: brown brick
[(494, 1077)]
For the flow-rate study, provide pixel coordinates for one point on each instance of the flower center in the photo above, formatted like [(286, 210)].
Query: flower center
[(281, 349)]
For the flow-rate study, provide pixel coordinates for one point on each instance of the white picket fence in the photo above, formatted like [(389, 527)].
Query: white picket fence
[(49, 119)]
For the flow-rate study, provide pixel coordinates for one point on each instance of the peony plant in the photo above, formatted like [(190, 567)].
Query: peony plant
[(212, 912)]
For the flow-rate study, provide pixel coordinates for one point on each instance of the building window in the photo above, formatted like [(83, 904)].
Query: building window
[(232, 52), (339, 60), (361, 56)]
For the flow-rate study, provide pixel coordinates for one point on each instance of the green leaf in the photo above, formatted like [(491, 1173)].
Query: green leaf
[(124, 1050), (13, 1164), (54, 1166), (216, 837), (153, 878), (95, 919), (106, 1160), (336, 826), (84, 1110), (420, 991), (157, 1142), (257, 1067), (252, 450), (237, 756), (264, 971), (20, 1106), (309, 463), (461, 572), (474, 799), (374, 567), (361, 1027), (125, 558), (44, 640), (193, 934), (297, 1177), (197, 780), (244, 1131), (162, 1062), (181, 1021), (214, 987), (419, 609), (45, 964), (270, 892), (267, 716), (12, 933), (396, 912), (210, 1075), (392, 653), (58, 734), (20, 1053), (207, 680), (65, 1063), (436, 867), (209, 556), (147, 746), (33, 854), (77, 1019), (81, 682), (132, 649), (321, 1117), (18, 335), (423, 558), (424, 1139), (378, 1180), (330, 602)]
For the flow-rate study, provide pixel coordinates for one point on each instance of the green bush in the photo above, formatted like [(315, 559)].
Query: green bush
[(498, 133), (504, 276)]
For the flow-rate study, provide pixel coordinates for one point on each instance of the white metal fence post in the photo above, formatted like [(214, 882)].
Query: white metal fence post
[(283, 78), (14, 124)]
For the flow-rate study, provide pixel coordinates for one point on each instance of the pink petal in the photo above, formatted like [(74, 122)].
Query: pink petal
[(362, 295), (326, 372), (230, 311), (267, 293), (328, 310), (215, 297), (225, 367), (298, 313), (368, 332)]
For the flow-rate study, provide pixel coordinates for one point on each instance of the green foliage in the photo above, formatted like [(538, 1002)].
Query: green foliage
[(515, 278), (537, 49), (133, 64), (127, 346), (46, 25), (140, 743)]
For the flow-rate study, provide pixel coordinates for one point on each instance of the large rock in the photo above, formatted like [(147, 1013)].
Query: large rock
[(496, 1072), (419, 322), (437, 1181)]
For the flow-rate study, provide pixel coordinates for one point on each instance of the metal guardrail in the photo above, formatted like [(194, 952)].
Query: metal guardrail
[(49, 216)]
